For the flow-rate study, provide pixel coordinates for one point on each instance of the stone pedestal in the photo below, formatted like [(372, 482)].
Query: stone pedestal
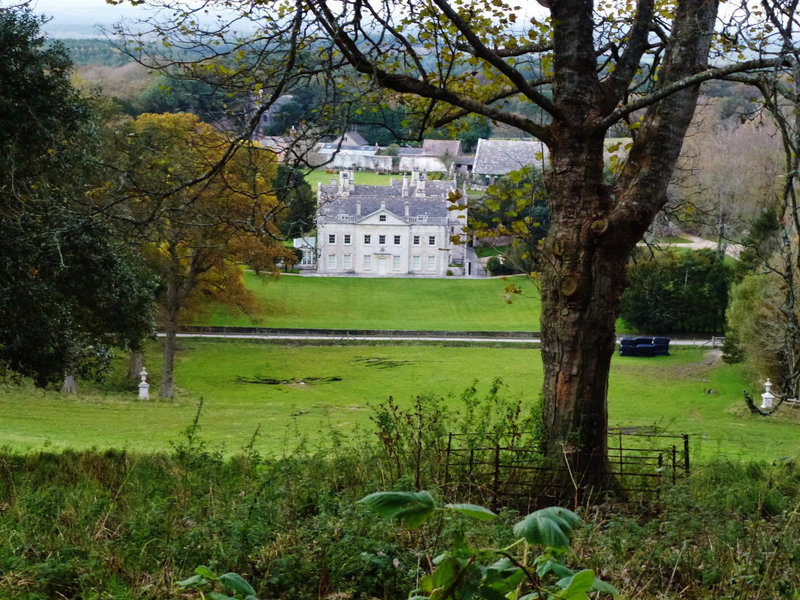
[(767, 399), (144, 387)]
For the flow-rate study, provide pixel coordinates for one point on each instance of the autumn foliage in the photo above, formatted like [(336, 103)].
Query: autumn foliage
[(203, 211)]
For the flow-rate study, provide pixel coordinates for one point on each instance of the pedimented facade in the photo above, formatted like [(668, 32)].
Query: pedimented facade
[(405, 228)]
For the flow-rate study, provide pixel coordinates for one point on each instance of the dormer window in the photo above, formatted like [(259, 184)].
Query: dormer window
[(382, 218), (422, 218)]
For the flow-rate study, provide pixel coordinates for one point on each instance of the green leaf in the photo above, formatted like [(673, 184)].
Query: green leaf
[(473, 510), (549, 527), (603, 587), (555, 567), (218, 596), (193, 580), (446, 573), (412, 508), (206, 572), (237, 584), (567, 515), (490, 593), (575, 587), (425, 584), (515, 578), (503, 564)]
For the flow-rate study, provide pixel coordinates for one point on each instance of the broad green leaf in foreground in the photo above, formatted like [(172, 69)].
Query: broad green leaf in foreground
[(549, 527), (575, 587), (412, 508), (235, 583), (473, 510)]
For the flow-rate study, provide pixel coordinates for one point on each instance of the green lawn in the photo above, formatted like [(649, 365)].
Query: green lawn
[(361, 178), (484, 251), (385, 303), (671, 392), (671, 239)]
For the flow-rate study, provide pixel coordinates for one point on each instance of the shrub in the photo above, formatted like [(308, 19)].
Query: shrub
[(677, 291)]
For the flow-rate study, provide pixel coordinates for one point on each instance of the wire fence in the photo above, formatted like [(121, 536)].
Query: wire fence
[(501, 472)]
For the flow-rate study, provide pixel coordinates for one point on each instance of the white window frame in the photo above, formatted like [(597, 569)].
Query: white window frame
[(416, 262), (347, 261), (382, 218), (331, 238), (395, 263), (367, 261), (367, 239), (347, 238), (417, 240), (397, 240), (381, 240), (331, 262), (431, 263), (431, 240)]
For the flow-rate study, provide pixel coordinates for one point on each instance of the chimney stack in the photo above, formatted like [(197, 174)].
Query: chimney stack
[(421, 185), (344, 184)]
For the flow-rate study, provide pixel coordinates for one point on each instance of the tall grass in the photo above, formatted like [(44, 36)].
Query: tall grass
[(95, 525)]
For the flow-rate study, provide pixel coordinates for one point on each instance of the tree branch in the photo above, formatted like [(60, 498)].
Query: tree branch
[(637, 44), (686, 82), (481, 51)]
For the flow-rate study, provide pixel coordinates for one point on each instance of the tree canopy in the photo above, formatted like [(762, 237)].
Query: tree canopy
[(197, 229), (69, 290)]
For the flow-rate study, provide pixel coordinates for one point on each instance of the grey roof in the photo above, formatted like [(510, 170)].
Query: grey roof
[(371, 197), (354, 138), (498, 157), (439, 147), (331, 147)]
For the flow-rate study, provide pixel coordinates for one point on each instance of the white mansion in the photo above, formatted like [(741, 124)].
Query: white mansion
[(401, 229)]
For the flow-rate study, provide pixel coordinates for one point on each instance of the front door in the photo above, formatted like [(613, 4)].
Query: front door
[(381, 266)]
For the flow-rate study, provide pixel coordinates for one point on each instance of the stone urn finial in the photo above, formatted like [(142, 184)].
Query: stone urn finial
[(144, 387), (767, 398)]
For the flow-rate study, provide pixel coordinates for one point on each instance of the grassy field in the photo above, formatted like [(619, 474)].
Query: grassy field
[(318, 176), (330, 389), (384, 303), (484, 251)]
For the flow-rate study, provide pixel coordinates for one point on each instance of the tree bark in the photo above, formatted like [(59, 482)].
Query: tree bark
[(595, 226), (135, 365), (582, 279), (171, 310)]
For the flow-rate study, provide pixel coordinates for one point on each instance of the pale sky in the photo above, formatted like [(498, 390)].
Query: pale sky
[(80, 18)]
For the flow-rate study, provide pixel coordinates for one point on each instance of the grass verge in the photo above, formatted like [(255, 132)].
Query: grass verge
[(385, 303)]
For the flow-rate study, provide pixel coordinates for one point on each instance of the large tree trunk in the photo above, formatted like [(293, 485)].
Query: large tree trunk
[(594, 227), (171, 310), (135, 365), (583, 276)]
